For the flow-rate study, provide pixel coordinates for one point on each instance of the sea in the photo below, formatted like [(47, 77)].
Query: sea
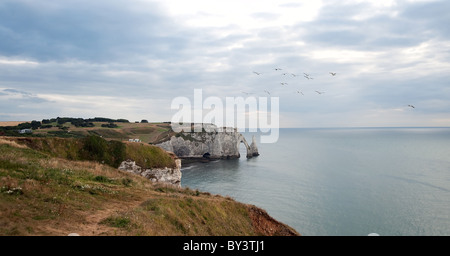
[(341, 181)]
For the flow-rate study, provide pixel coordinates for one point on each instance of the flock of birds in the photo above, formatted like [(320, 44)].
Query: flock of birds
[(306, 76)]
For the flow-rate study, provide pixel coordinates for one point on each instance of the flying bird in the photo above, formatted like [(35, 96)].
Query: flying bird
[(333, 74), (299, 92), (266, 91), (284, 83), (320, 92), (307, 76), (411, 106), (276, 69), (257, 73)]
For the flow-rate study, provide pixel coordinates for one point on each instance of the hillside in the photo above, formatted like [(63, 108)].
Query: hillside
[(98, 149), (45, 193)]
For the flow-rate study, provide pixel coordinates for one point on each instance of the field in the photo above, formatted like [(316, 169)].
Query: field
[(146, 132), (11, 123)]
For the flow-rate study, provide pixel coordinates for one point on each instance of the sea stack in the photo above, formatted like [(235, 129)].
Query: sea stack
[(253, 147)]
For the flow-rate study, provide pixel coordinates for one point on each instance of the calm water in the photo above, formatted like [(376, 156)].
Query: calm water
[(390, 181)]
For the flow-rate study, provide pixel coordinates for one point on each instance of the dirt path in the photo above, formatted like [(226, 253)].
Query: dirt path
[(92, 227)]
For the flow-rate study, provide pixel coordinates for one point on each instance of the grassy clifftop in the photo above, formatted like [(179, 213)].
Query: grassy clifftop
[(42, 192), (95, 148)]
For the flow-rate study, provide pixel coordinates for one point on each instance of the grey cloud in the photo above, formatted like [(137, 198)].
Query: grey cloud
[(14, 91), (86, 30), (81, 45), (25, 96), (432, 17), (99, 48), (334, 27)]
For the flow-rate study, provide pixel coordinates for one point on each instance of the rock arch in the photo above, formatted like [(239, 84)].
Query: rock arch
[(252, 150)]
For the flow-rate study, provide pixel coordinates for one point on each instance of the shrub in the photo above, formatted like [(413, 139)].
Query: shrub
[(35, 124), (94, 148), (98, 149), (102, 179), (116, 153), (127, 182), (24, 126), (110, 125), (117, 222)]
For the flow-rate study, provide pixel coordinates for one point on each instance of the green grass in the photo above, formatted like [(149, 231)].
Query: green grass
[(149, 156), (118, 222), (41, 194), (184, 215), (111, 133), (95, 148)]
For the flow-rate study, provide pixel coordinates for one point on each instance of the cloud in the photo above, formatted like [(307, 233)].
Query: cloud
[(95, 31), (265, 16), (430, 17), (14, 91), (363, 26), (19, 105), (115, 58), (20, 96)]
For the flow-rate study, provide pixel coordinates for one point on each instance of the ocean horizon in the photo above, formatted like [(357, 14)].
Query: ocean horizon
[(341, 181)]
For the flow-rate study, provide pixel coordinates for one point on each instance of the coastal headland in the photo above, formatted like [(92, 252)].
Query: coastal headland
[(57, 181)]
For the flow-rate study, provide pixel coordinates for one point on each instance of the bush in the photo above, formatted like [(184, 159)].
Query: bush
[(116, 153), (35, 124), (80, 122), (110, 125), (63, 120), (24, 126), (98, 149), (103, 179), (94, 148), (117, 222)]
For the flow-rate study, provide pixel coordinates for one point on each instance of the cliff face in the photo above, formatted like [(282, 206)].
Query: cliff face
[(166, 175), (214, 145)]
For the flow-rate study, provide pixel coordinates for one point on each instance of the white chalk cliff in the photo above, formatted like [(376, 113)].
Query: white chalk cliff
[(166, 175), (213, 145), (194, 145)]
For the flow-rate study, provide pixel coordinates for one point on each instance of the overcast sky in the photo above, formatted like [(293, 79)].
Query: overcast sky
[(130, 59)]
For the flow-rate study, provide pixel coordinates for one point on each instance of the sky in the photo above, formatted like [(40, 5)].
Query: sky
[(130, 58)]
